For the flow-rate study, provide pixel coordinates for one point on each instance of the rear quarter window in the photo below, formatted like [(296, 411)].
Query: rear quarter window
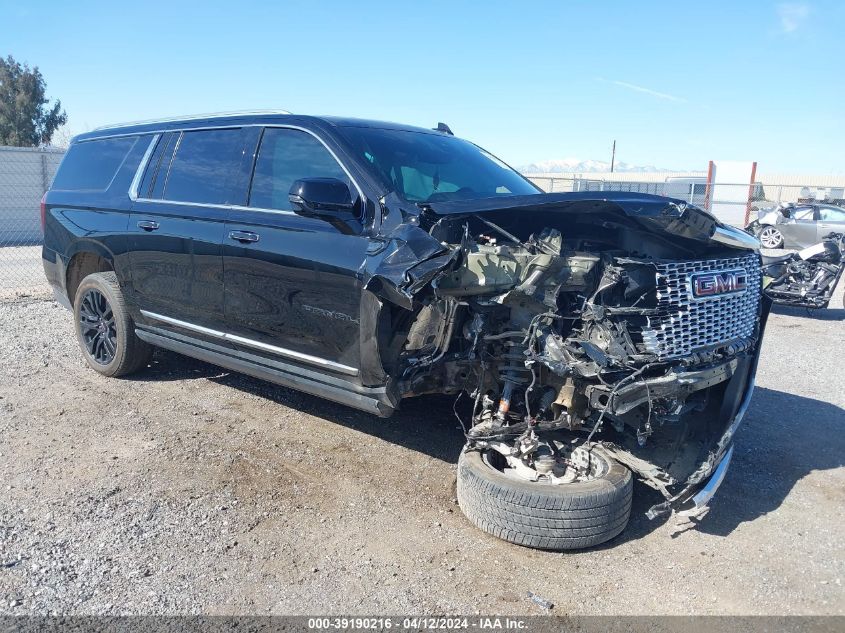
[(92, 165)]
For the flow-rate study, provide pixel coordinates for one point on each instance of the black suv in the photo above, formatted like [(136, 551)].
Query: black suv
[(367, 262)]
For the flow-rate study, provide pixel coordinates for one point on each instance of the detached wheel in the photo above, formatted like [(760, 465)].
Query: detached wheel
[(770, 237), (104, 329), (550, 516)]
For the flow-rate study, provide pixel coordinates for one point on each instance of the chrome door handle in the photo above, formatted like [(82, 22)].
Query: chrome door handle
[(243, 236), (148, 225)]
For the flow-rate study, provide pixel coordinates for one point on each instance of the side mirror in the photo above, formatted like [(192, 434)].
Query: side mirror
[(321, 197)]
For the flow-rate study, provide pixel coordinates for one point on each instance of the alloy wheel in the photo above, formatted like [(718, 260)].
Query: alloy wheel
[(96, 321), (770, 237)]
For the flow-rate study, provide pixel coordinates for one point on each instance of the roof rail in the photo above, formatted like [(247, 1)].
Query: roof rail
[(192, 117)]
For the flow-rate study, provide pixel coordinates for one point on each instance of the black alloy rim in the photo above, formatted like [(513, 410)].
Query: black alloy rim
[(96, 321)]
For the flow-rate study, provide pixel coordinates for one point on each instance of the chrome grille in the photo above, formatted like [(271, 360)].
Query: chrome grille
[(685, 324)]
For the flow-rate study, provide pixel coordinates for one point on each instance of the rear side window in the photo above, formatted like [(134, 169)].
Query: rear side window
[(202, 165), (830, 214), (285, 156), (92, 165)]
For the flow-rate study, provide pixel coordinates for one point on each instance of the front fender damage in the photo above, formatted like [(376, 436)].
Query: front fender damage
[(399, 267), (552, 324), (408, 260)]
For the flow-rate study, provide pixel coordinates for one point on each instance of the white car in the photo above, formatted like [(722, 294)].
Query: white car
[(797, 226)]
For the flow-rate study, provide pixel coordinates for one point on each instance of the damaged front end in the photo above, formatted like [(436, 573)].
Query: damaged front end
[(630, 323)]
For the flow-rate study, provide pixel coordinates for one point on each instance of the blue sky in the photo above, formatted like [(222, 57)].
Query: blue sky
[(675, 83)]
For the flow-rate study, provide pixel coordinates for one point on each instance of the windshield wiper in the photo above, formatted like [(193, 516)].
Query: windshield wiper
[(498, 228)]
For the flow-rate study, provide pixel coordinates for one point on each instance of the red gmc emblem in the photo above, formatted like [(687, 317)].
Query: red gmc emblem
[(717, 283)]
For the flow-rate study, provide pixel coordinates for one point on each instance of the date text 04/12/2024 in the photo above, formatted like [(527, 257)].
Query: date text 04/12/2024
[(417, 623)]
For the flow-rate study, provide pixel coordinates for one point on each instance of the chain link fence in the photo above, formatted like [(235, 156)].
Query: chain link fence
[(735, 204), (25, 174)]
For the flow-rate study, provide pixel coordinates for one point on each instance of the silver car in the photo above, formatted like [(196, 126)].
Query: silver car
[(797, 226)]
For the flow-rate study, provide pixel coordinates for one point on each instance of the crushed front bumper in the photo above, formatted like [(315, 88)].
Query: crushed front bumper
[(703, 496), (694, 499)]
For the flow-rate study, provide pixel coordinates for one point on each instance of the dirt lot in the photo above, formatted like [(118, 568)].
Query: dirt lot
[(188, 489), (20, 269)]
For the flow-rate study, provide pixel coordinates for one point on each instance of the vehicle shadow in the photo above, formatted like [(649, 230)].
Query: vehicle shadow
[(776, 447), (169, 366), (772, 451), (826, 314), (426, 424)]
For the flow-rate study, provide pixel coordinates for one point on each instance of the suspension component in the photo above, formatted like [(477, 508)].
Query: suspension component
[(513, 374)]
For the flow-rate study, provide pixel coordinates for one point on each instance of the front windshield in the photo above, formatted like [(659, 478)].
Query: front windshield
[(434, 167)]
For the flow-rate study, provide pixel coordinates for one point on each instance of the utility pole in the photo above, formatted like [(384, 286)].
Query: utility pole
[(613, 156)]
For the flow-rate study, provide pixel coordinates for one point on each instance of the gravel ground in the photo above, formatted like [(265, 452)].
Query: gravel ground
[(188, 489)]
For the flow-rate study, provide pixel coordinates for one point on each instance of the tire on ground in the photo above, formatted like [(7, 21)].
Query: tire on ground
[(545, 516), (132, 353)]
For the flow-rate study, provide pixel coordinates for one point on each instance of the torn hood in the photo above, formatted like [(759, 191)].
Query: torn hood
[(406, 258), (657, 213)]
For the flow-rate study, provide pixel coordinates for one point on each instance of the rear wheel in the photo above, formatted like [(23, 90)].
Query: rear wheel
[(104, 329), (551, 516), (770, 237)]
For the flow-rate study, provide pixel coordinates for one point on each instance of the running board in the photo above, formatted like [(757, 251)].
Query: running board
[(371, 400)]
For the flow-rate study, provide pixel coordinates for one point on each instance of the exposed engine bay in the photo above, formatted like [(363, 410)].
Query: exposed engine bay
[(564, 340)]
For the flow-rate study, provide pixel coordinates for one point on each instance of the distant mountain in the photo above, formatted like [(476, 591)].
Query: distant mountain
[(573, 165)]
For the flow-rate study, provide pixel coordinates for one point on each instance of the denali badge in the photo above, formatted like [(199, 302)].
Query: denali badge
[(329, 314), (717, 283)]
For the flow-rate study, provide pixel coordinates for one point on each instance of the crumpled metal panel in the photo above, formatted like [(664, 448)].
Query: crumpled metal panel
[(671, 216), (410, 259)]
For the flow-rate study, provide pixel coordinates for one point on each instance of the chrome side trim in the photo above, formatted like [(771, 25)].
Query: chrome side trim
[(239, 207), (184, 324), (192, 117), (186, 204), (288, 353), (280, 351), (226, 207), (139, 173)]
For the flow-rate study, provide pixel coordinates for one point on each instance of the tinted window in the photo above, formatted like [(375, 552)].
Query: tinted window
[(285, 156), (163, 147), (832, 214), (202, 165), (91, 165), (159, 177), (429, 167)]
